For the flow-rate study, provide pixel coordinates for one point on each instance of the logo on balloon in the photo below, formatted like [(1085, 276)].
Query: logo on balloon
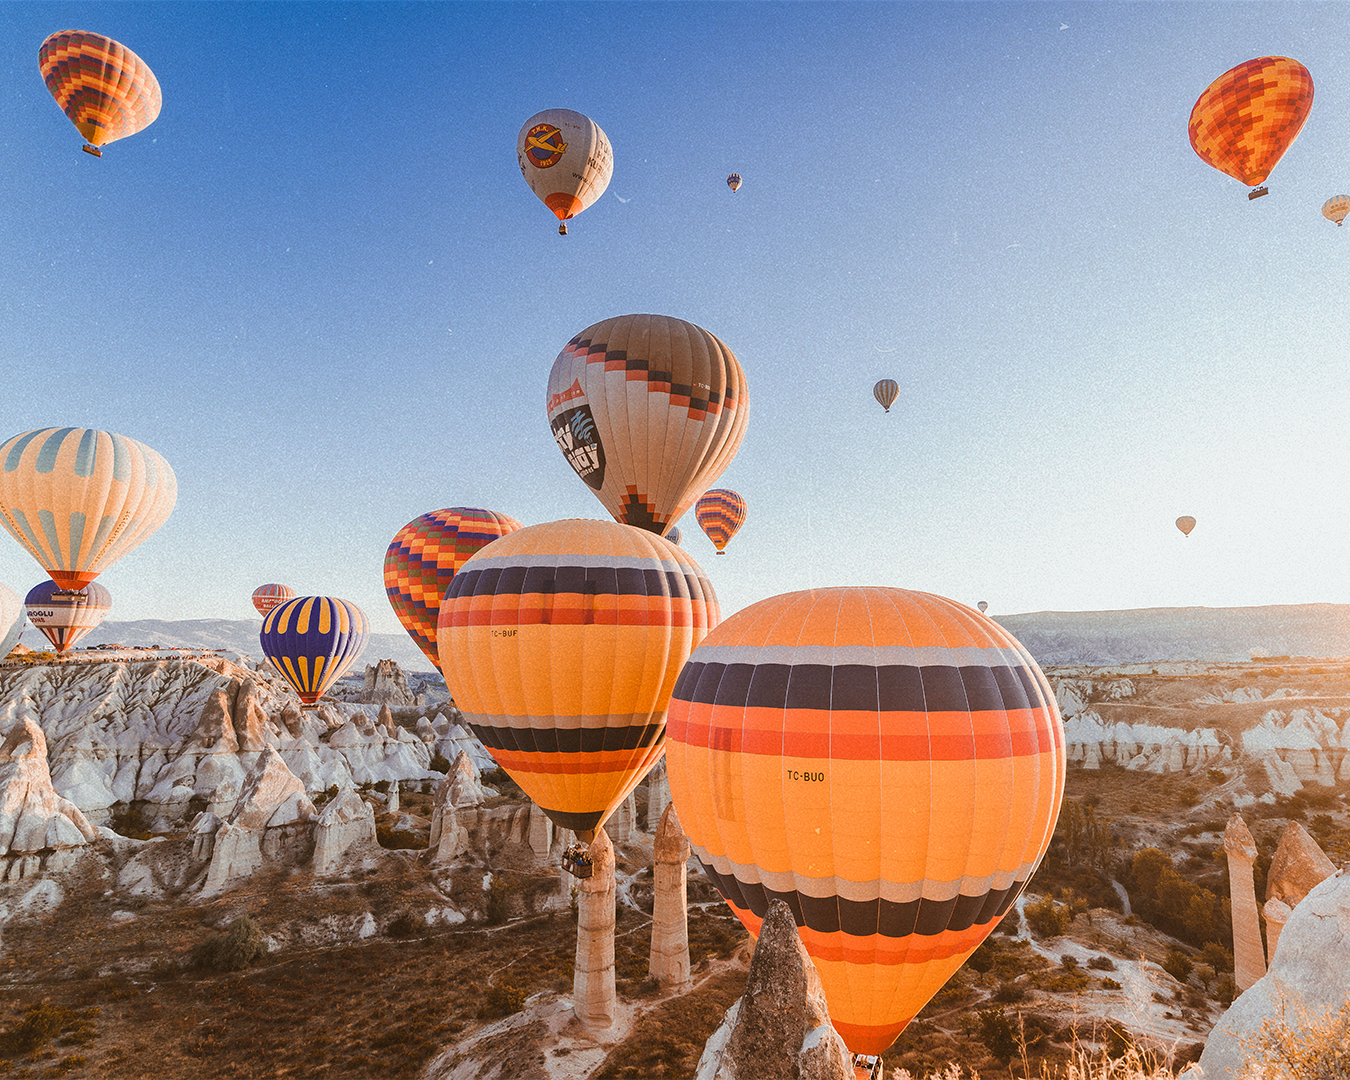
[(574, 430), (544, 146)]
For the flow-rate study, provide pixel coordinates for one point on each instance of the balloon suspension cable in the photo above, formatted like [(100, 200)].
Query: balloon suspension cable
[(1256, 193), (88, 149)]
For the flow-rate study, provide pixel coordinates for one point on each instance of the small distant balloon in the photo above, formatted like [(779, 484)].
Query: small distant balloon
[(266, 597), (734, 181), (66, 615), (566, 159), (720, 513), (1249, 116), (312, 641), (983, 605), (1336, 207), (1186, 523), (886, 391), (105, 89)]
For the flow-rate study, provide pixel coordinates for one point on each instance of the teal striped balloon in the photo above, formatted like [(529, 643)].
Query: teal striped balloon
[(79, 499)]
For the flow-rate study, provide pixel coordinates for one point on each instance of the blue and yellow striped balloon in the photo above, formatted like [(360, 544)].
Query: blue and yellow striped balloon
[(79, 499), (312, 641)]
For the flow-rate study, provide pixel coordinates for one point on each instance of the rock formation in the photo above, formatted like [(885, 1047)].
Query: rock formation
[(465, 786), (1306, 978), (448, 838), (658, 794), (780, 1027), (1249, 956), (344, 828), (669, 963), (1297, 866), (385, 684), (594, 1000), (35, 822), (1276, 913)]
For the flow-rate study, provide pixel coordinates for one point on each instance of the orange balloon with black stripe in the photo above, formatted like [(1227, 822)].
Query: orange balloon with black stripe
[(890, 763), (560, 644), (1250, 115)]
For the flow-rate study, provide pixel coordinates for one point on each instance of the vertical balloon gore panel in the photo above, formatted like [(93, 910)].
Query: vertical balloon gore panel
[(561, 643), (889, 763)]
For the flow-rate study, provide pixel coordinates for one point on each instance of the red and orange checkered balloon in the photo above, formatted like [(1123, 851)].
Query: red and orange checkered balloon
[(105, 89), (423, 557), (1248, 117)]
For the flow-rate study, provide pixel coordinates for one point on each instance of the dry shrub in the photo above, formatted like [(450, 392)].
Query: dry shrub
[(233, 950)]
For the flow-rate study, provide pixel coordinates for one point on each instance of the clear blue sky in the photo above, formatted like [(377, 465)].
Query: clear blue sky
[(318, 285)]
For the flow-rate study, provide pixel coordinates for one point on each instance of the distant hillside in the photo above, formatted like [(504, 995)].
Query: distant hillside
[(236, 635), (1147, 635), (1143, 635)]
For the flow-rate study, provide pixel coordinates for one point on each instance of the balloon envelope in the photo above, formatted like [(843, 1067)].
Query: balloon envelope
[(1186, 523), (65, 616), (266, 597), (889, 763), (12, 618), (886, 391), (79, 499), (649, 411), (674, 535), (983, 605), (422, 560), (1336, 207), (560, 644), (566, 159), (1249, 116), (105, 89), (734, 181), (720, 513), (312, 641)]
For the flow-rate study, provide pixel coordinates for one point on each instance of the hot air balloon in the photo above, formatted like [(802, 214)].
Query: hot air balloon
[(734, 182), (79, 499), (1186, 523), (649, 411), (560, 644), (674, 535), (266, 597), (1248, 117), (720, 513), (423, 558), (312, 641), (1336, 207), (66, 615), (887, 762), (105, 89), (886, 391), (983, 605), (11, 619), (566, 159)]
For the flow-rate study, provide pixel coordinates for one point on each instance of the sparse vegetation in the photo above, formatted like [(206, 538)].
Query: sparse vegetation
[(233, 950), (1310, 1048)]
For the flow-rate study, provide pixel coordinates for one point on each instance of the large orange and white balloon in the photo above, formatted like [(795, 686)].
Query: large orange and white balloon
[(560, 644), (649, 411), (79, 499), (566, 159), (889, 763)]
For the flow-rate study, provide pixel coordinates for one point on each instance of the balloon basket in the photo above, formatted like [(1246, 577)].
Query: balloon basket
[(576, 862), (866, 1067), (562, 229), (1258, 192), (92, 150)]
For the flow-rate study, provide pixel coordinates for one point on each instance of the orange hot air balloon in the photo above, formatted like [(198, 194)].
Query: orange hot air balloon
[(1248, 117), (889, 763), (105, 89), (720, 514), (266, 597), (422, 560), (1186, 523), (560, 644), (649, 411), (886, 391)]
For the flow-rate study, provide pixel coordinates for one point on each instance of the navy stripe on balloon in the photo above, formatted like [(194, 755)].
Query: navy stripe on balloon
[(863, 918), (860, 687), (590, 580), (556, 740)]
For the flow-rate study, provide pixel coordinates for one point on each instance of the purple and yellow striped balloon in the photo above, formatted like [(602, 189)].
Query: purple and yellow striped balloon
[(312, 641), (720, 513)]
